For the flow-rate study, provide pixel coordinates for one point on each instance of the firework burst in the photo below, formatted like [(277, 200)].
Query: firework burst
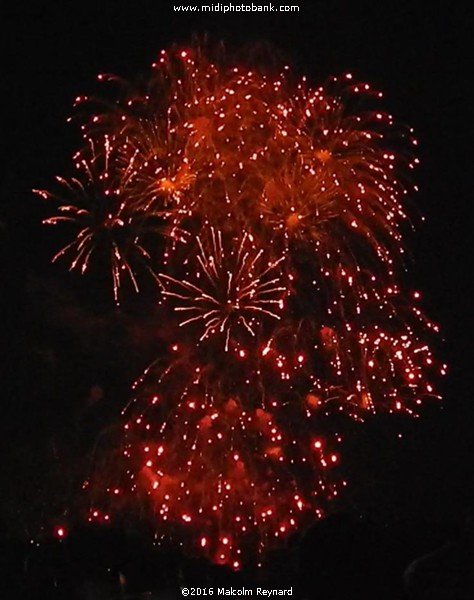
[(227, 289), (97, 206), (275, 211), (216, 467)]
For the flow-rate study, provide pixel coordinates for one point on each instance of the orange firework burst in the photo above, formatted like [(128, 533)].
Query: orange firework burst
[(276, 212)]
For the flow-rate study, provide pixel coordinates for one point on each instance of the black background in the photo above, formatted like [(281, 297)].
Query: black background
[(61, 336)]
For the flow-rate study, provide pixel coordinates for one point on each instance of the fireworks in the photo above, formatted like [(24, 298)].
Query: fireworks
[(96, 203), (208, 465), (232, 288), (270, 214)]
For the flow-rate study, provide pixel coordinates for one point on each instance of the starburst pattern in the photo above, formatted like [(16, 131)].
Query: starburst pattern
[(227, 289), (96, 204)]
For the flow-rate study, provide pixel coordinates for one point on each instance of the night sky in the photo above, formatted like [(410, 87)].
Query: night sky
[(69, 356)]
